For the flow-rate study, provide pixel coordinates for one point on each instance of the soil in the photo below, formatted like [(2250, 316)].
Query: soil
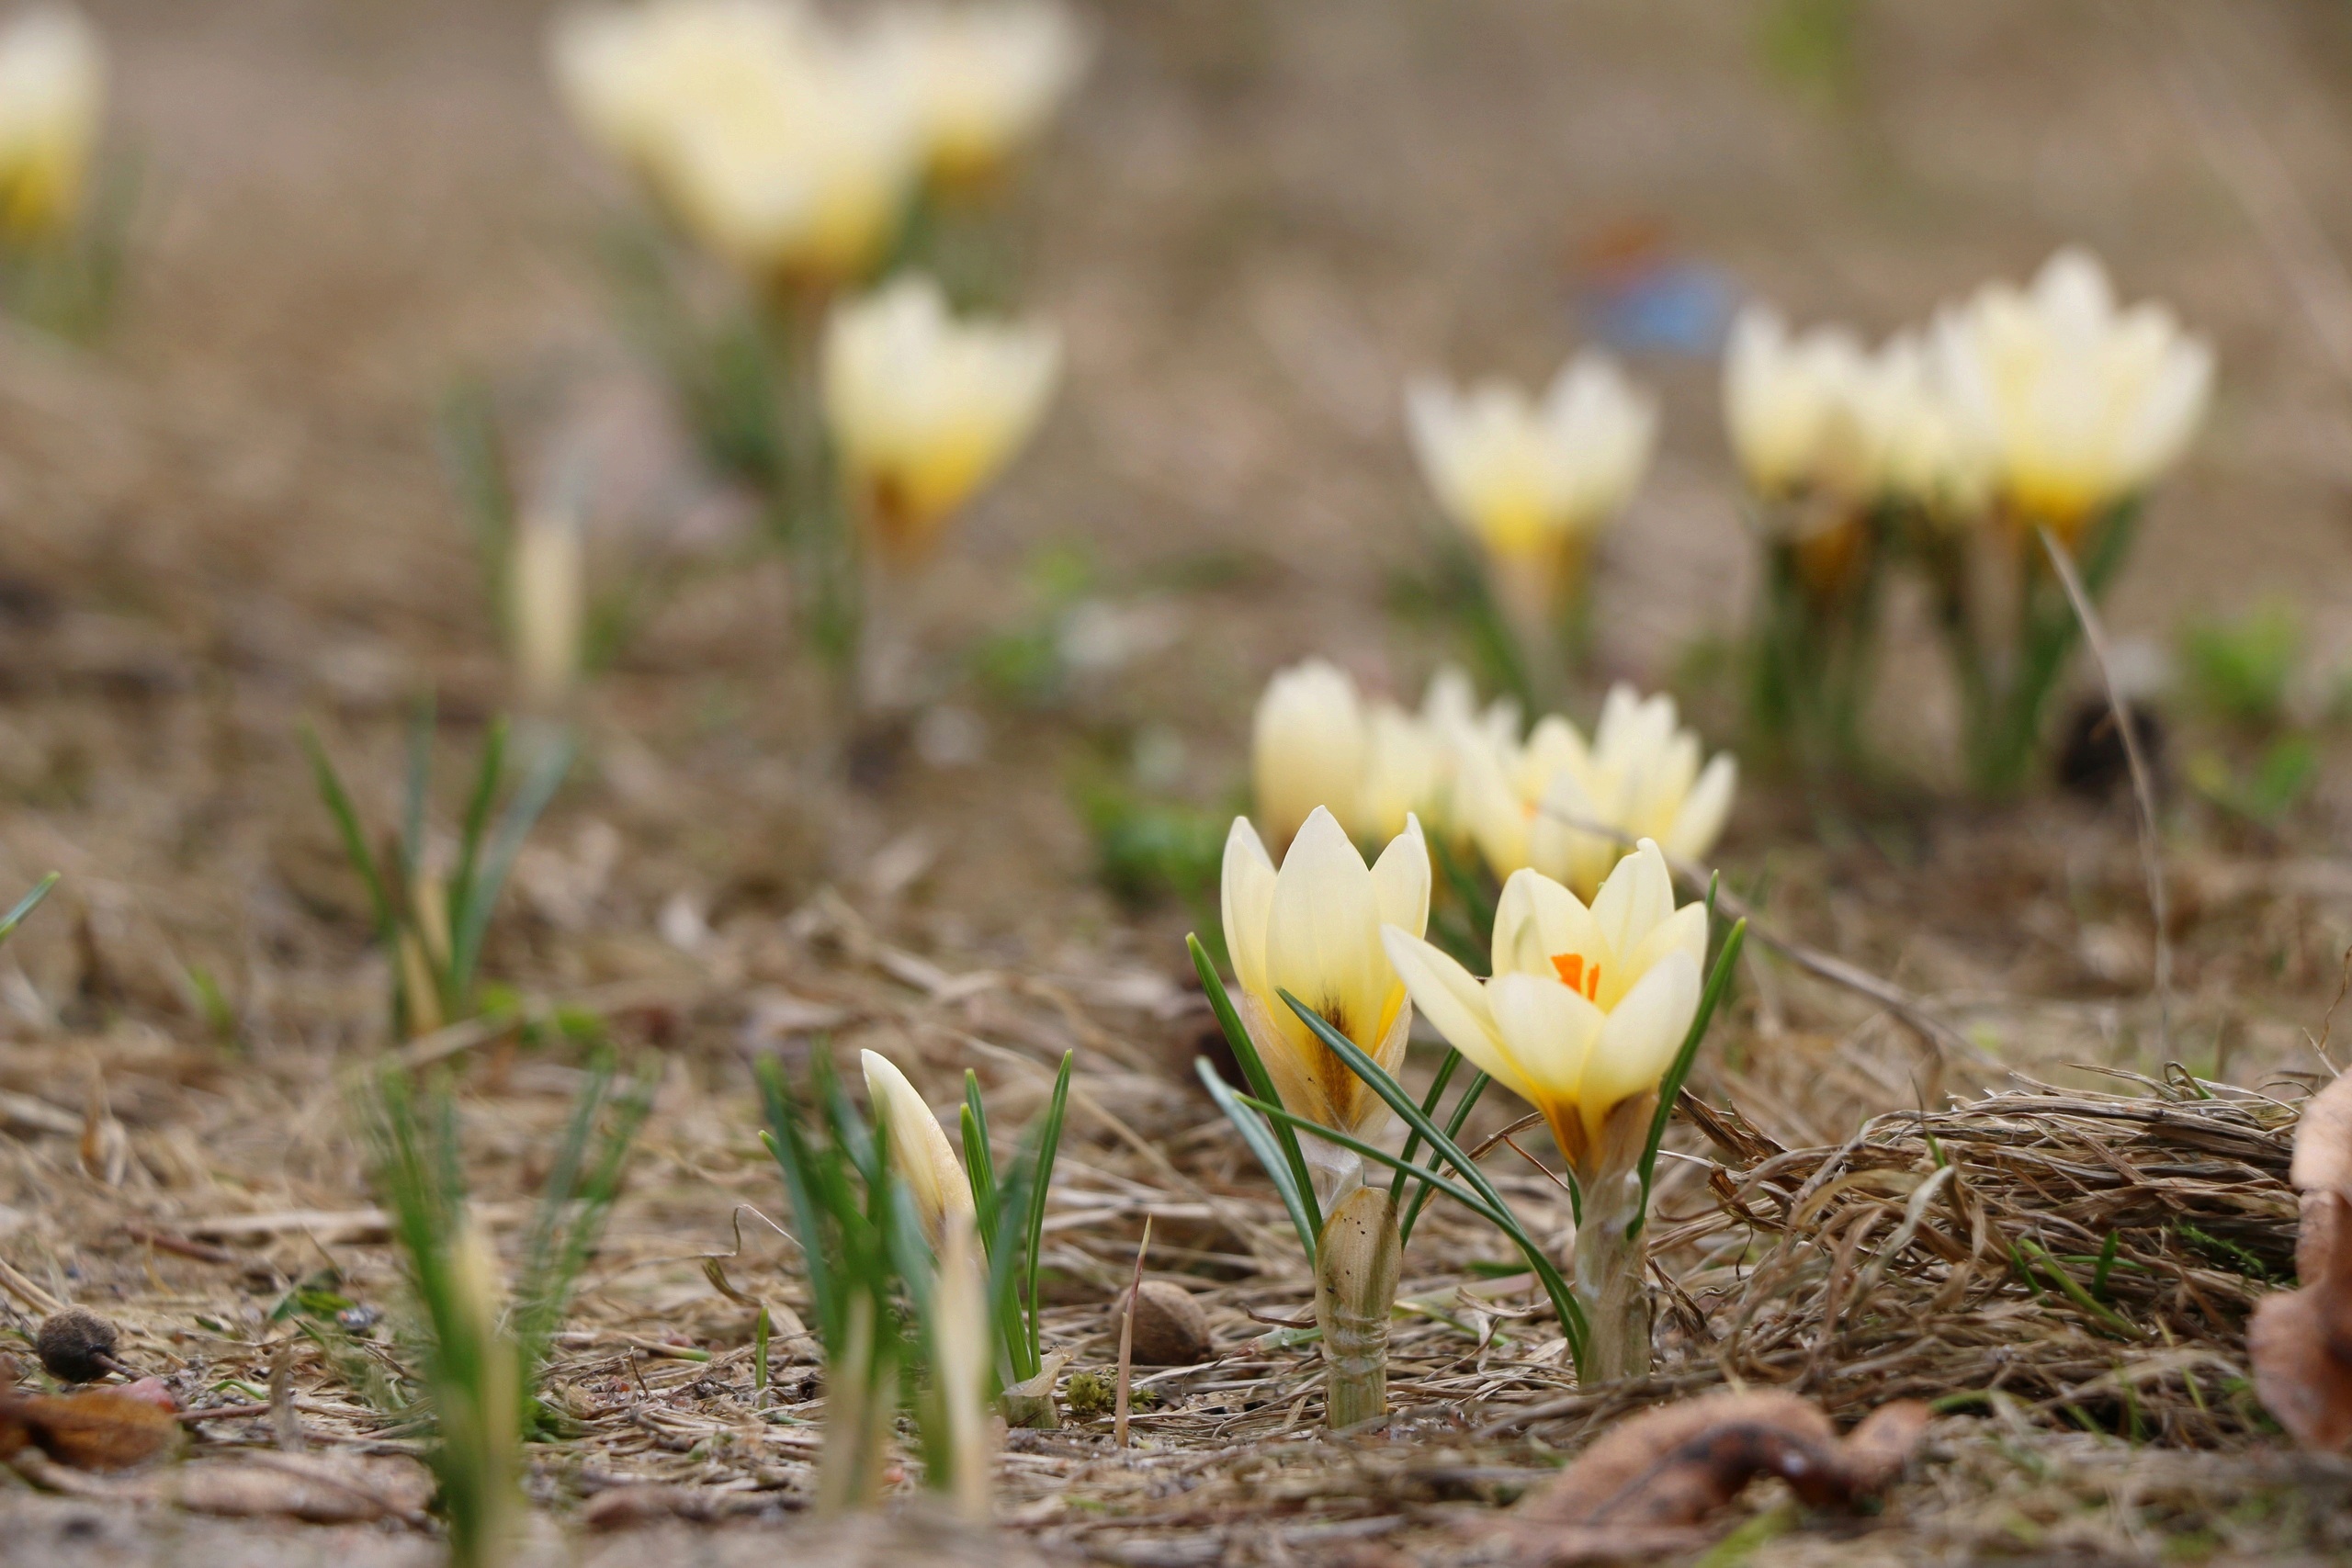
[(228, 517)]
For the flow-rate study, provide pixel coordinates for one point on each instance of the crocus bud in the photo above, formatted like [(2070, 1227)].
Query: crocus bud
[(919, 1151)]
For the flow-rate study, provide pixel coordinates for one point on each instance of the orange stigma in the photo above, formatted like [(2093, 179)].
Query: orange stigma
[(1576, 976)]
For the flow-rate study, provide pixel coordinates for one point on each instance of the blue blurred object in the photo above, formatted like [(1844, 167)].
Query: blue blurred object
[(1641, 296)]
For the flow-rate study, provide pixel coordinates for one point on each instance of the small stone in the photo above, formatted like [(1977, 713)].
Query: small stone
[(76, 1345), (1171, 1328)]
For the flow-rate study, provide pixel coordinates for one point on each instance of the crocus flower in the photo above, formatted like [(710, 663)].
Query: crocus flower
[(1313, 929), (1532, 482), (2082, 402), (788, 148), (984, 78), (1565, 808), (1792, 406), (52, 91), (1587, 1006), (1307, 748), (926, 409)]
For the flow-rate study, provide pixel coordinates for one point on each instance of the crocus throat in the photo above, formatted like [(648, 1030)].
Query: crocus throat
[(1576, 975)]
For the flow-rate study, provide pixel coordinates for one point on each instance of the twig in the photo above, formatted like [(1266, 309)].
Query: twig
[(164, 1241), (2143, 788), (25, 1291), (1128, 1337)]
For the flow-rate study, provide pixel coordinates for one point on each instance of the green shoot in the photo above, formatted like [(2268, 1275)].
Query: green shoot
[(434, 933), (885, 1307), (27, 905)]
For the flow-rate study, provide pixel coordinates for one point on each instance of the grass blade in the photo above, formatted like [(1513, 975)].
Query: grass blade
[(979, 1165), (1429, 1108), (355, 841), (1461, 1109), (1245, 1052), (530, 800), (477, 822), (1262, 1143), (1390, 1090), (1041, 1180), (1718, 985), (783, 1137), (1495, 1213), (26, 905)]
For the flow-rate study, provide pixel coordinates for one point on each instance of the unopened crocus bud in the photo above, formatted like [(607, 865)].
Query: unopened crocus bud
[(546, 591), (919, 1151)]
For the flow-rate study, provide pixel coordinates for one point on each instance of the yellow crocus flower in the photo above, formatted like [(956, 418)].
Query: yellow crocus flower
[(926, 409)]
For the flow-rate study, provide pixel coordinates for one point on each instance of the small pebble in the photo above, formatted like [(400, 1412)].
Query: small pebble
[(1171, 1328), (76, 1345)]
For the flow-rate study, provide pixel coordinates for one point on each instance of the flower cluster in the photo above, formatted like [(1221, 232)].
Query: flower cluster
[(2046, 407), (791, 146), (1551, 799)]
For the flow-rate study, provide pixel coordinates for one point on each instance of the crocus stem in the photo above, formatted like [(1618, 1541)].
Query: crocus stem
[(1609, 1269), (859, 1406), (1355, 1291)]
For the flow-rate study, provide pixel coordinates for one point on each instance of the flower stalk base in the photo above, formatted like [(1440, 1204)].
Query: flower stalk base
[(1355, 1292)]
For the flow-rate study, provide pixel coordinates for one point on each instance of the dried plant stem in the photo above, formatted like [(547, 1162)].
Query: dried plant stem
[(1128, 1337), (2143, 788), (1356, 1263)]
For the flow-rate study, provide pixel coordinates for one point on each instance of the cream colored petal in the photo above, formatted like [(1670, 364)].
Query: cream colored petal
[(1636, 897), (1568, 840), (1485, 803), (1400, 880), (1455, 1005), (1323, 932), (1294, 1060), (1684, 931), (1245, 892), (1548, 1030), (919, 1148), (1537, 920), (1640, 1036), (1700, 821)]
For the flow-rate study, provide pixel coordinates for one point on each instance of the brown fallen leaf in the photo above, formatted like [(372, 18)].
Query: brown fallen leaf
[(2299, 1341), (105, 1429), (1643, 1486)]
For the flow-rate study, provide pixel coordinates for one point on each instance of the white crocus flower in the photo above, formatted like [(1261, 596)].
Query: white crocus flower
[(1313, 929), (1586, 1007), (1404, 772), (1565, 807), (984, 78), (919, 1151), (52, 92), (788, 149), (1791, 406), (1532, 482), (2082, 404), (1307, 748), (925, 408), (1922, 450)]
